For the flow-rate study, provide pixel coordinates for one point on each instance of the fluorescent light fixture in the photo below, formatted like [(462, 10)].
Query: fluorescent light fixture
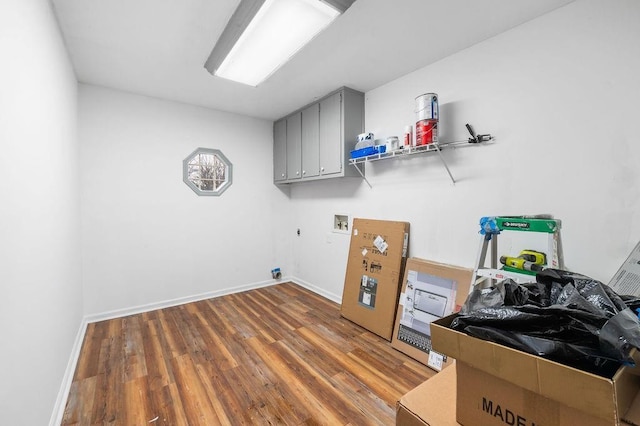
[(264, 34)]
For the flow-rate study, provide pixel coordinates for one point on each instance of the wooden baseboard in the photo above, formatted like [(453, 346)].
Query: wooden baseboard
[(67, 379), (118, 313), (327, 294)]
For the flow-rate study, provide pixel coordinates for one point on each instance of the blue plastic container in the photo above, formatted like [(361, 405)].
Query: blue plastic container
[(370, 150)]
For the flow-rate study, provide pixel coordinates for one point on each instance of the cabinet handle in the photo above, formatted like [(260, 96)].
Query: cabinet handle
[(322, 169), (304, 172), (297, 172), (283, 175)]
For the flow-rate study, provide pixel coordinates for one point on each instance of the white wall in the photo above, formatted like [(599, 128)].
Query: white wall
[(560, 93), (41, 300), (146, 237)]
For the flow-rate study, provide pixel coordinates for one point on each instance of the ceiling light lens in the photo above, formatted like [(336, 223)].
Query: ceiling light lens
[(276, 33)]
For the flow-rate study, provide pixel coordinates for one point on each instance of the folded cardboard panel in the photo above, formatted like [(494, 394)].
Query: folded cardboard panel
[(430, 291), (432, 403), (607, 399), (377, 254)]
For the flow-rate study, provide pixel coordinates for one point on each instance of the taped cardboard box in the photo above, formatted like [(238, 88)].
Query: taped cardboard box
[(430, 291), (433, 403), (533, 385), (377, 254)]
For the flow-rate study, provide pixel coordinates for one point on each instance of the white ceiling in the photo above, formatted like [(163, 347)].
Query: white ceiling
[(158, 47)]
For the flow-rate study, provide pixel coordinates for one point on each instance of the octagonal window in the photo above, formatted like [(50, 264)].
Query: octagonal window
[(207, 171)]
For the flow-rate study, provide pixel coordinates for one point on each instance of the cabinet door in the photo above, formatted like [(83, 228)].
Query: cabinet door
[(294, 145), (331, 135), (280, 151), (311, 141)]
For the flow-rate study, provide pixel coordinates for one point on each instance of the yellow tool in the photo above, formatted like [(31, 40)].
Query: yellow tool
[(520, 263), (536, 257), (528, 260)]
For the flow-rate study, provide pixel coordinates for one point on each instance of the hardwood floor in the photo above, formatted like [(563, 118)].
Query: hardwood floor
[(275, 355)]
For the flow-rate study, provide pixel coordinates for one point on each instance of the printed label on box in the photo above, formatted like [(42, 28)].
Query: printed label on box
[(375, 267), (380, 244), (426, 298), (368, 289), (435, 360), (405, 244), (627, 279)]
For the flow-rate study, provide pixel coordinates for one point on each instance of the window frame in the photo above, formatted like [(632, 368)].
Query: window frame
[(228, 172)]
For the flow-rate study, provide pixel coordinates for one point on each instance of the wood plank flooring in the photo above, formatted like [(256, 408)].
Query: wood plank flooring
[(275, 355)]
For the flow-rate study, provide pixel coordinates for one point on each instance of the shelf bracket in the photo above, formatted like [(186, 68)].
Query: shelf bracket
[(444, 163), (362, 174)]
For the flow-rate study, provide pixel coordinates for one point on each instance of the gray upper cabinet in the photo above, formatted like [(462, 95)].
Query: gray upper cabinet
[(280, 151), (331, 135), (294, 146), (319, 138), (311, 141)]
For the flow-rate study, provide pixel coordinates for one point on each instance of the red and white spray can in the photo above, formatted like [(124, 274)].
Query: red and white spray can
[(408, 136), (427, 119)]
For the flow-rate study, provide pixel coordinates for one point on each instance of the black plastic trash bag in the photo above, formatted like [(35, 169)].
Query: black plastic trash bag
[(564, 316)]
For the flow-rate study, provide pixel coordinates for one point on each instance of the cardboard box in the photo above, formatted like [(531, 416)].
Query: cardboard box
[(430, 291), (377, 254), (530, 386), (433, 403), (485, 400)]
